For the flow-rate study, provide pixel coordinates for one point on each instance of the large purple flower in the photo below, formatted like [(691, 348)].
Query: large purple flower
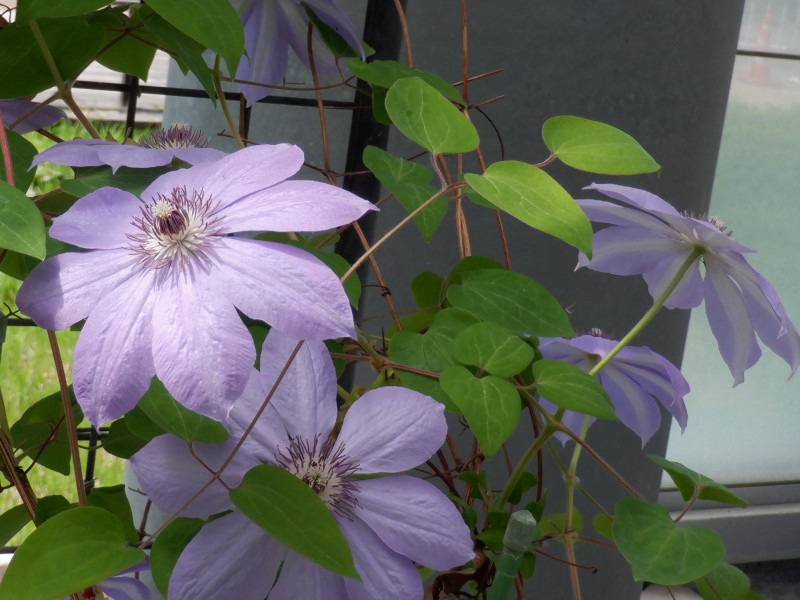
[(15, 109), (156, 149), (634, 379), (162, 283), (388, 521), (271, 26), (654, 240)]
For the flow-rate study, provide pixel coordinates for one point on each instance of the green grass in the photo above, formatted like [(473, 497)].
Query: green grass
[(27, 370)]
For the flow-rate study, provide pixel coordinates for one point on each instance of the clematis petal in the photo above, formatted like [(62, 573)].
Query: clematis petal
[(65, 288), (113, 363), (169, 472), (432, 533), (269, 433), (202, 351), (230, 557), (628, 251), (634, 407), (300, 578), (729, 321), (306, 397), (295, 206), (267, 48), (102, 219), (601, 211), (74, 153), (284, 286), (125, 588), (689, 291), (385, 574), (297, 37), (392, 429), (14, 109), (195, 156), (636, 197), (337, 19), (136, 157)]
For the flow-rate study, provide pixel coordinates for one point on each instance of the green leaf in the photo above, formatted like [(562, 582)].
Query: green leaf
[(511, 300), (572, 388), (659, 550), (21, 225), (427, 289), (127, 54), (22, 153), (410, 183), (604, 526), (213, 23), (596, 147), (167, 413), (50, 506), (12, 521), (121, 441), (426, 117), (36, 9), (384, 73), (490, 405), (186, 49), (41, 432), (556, 523), (532, 196), (114, 500), (168, 547), (93, 178), (330, 37), (23, 69), (690, 482), (492, 348), (292, 513), (726, 582), (526, 481), (471, 263), (69, 552)]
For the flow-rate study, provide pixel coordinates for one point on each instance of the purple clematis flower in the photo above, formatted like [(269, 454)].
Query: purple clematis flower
[(634, 379), (122, 586), (15, 109), (654, 240), (162, 283), (156, 149), (388, 521), (271, 26)]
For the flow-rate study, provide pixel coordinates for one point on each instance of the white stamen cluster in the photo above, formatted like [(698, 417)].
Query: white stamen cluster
[(179, 135), (325, 469), (174, 228)]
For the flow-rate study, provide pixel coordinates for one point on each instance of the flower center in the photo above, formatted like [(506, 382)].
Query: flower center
[(174, 228), (179, 135), (325, 469)]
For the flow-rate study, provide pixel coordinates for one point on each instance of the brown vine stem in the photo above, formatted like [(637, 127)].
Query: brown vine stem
[(15, 475), (69, 418), (401, 16), (387, 294), (320, 107), (396, 228), (464, 53)]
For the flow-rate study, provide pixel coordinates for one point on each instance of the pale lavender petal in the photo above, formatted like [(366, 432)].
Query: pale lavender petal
[(267, 49), (295, 206), (136, 157), (102, 219), (65, 288), (306, 397), (766, 311), (283, 286), (416, 520), (74, 153), (629, 251), (169, 472), (574, 351), (571, 420), (202, 351), (230, 557), (689, 291), (269, 433), (125, 588), (729, 321), (233, 177), (297, 37), (634, 407), (392, 429), (15, 108), (195, 156), (636, 197), (601, 211), (113, 363), (300, 578), (337, 19), (385, 574)]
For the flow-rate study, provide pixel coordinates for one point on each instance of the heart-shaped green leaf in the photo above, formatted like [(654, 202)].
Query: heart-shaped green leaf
[(690, 482), (21, 225), (168, 547), (532, 196), (724, 581), (493, 349), (596, 147), (572, 388), (490, 405), (290, 511), (70, 551), (659, 550)]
